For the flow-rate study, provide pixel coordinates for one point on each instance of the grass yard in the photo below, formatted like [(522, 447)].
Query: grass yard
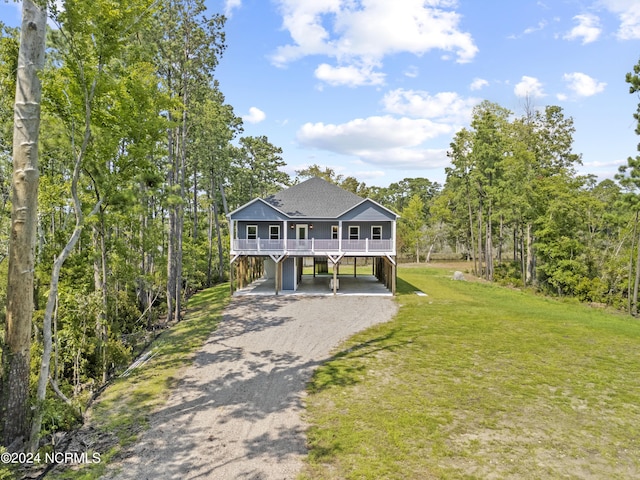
[(479, 381)]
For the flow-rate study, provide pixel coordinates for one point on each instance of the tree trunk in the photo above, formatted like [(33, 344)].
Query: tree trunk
[(43, 377), (210, 236), (636, 283), (480, 253), (14, 394), (171, 237), (530, 255), (473, 242), (225, 207), (633, 240), (489, 245), (216, 219), (100, 285)]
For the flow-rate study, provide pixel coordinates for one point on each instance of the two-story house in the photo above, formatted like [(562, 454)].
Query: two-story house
[(318, 219)]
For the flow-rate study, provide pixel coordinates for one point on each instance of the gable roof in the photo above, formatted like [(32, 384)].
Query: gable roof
[(314, 198)]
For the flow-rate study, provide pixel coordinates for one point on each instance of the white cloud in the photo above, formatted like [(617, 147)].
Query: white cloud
[(412, 71), (363, 33), (406, 158), (478, 84), (255, 116), (541, 26), (447, 107), (380, 140), (230, 6), (629, 13), (588, 29), (350, 76), (583, 85), (529, 87)]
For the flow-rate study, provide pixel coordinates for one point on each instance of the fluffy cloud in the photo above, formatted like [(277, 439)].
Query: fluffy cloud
[(350, 76), (478, 84), (255, 116), (529, 87), (380, 140), (364, 33), (583, 85), (588, 29), (230, 6), (448, 107), (629, 13)]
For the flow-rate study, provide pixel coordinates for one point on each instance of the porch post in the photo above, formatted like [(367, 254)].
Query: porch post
[(286, 232), (231, 268), (394, 273), (335, 278), (393, 236), (232, 224)]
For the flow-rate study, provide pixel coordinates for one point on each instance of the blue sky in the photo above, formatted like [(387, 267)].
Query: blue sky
[(377, 89)]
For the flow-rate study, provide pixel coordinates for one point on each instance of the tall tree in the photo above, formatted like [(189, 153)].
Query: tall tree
[(629, 178), (87, 95), (16, 351), (190, 47), (412, 224)]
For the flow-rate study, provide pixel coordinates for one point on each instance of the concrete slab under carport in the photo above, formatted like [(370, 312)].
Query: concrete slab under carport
[(363, 285)]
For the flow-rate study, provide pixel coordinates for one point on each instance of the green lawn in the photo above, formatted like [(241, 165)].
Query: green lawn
[(479, 381)]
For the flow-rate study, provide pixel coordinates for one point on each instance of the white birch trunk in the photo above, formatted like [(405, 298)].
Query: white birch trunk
[(16, 353)]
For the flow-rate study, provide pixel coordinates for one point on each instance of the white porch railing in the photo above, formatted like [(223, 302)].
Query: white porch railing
[(311, 247)]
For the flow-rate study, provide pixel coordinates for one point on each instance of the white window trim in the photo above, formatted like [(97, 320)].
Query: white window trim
[(357, 228), (373, 237), (256, 234), (271, 235)]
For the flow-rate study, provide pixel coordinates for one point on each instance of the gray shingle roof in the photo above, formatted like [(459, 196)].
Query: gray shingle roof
[(314, 198)]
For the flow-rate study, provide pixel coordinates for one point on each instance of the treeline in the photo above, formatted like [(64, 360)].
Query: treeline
[(514, 204), (140, 159)]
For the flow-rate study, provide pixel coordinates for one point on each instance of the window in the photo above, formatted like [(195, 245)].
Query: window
[(252, 232), (274, 232), (334, 232), (354, 232), (376, 232)]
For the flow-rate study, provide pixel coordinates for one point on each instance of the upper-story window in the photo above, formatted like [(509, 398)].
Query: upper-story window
[(334, 232), (252, 232), (376, 232), (354, 232), (274, 232)]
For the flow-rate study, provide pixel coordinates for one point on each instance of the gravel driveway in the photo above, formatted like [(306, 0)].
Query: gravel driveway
[(236, 414)]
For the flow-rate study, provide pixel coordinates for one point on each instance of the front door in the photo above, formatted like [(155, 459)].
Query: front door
[(303, 231)]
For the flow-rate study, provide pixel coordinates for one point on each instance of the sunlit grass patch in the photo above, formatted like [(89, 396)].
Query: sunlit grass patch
[(478, 381)]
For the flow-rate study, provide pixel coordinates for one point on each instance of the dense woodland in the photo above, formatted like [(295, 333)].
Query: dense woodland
[(140, 158)]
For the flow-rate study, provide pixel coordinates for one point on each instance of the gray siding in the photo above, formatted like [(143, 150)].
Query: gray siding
[(257, 210), (288, 274), (321, 230), (365, 229), (368, 211), (263, 228)]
